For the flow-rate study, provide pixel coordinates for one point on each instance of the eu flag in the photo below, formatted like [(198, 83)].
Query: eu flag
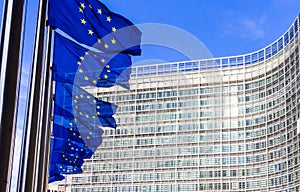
[(72, 147), (54, 174), (67, 169), (78, 115), (92, 23), (66, 159), (89, 68), (74, 131), (62, 160), (73, 102)]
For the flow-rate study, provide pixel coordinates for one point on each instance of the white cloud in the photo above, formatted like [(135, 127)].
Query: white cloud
[(253, 29), (243, 26)]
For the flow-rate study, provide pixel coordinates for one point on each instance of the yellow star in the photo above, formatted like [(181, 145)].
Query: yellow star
[(86, 53), (79, 137), (80, 113), (99, 40), (105, 76), (79, 63), (91, 133), (86, 78), (103, 60), (106, 46), (81, 58), (94, 101), (94, 81), (100, 11), (71, 128), (113, 29), (80, 10), (80, 70), (90, 6), (82, 5), (76, 107), (71, 123), (98, 107), (98, 113), (81, 96), (108, 19), (113, 41), (87, 116), (94, 116), (75, 101), (76, 97), (107, 66), (90, 32), (83, 21), (88, 96), (108, 71)]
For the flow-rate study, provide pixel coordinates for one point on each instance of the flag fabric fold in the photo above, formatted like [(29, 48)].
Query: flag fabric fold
[(54, 174), (78, 116), (83, 107), (90, 22), (89, 68)]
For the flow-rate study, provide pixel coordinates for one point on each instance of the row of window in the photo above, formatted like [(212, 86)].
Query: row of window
[(209, 101), (234, 185), (174, 175), (202, 91)]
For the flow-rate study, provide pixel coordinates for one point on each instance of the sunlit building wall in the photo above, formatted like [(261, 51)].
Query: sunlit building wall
[(222, 124)]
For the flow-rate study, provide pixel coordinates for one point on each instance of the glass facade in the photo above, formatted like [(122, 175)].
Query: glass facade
[(223, 124)]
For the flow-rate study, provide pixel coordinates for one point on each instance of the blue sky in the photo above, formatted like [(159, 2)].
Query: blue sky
[(225, 27)]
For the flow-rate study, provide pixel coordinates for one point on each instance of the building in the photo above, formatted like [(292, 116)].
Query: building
[(222, 124), (55, 188)]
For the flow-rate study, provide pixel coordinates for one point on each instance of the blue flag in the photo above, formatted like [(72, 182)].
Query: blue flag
[(78, 115), (67, 169), (78, 105), (84, 67), (54, 174), (72, 147), (92, 23), (66, 159), (91, 137)]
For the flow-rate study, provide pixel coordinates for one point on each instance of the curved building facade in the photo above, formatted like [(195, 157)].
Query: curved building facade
[(222, 124)]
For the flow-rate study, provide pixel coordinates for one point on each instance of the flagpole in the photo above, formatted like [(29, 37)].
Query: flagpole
[(10, 54), (33, 133), (46, 122)]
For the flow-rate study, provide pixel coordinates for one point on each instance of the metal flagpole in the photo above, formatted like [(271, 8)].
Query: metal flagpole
[(10, 51), (28, 175), (45, 126)]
